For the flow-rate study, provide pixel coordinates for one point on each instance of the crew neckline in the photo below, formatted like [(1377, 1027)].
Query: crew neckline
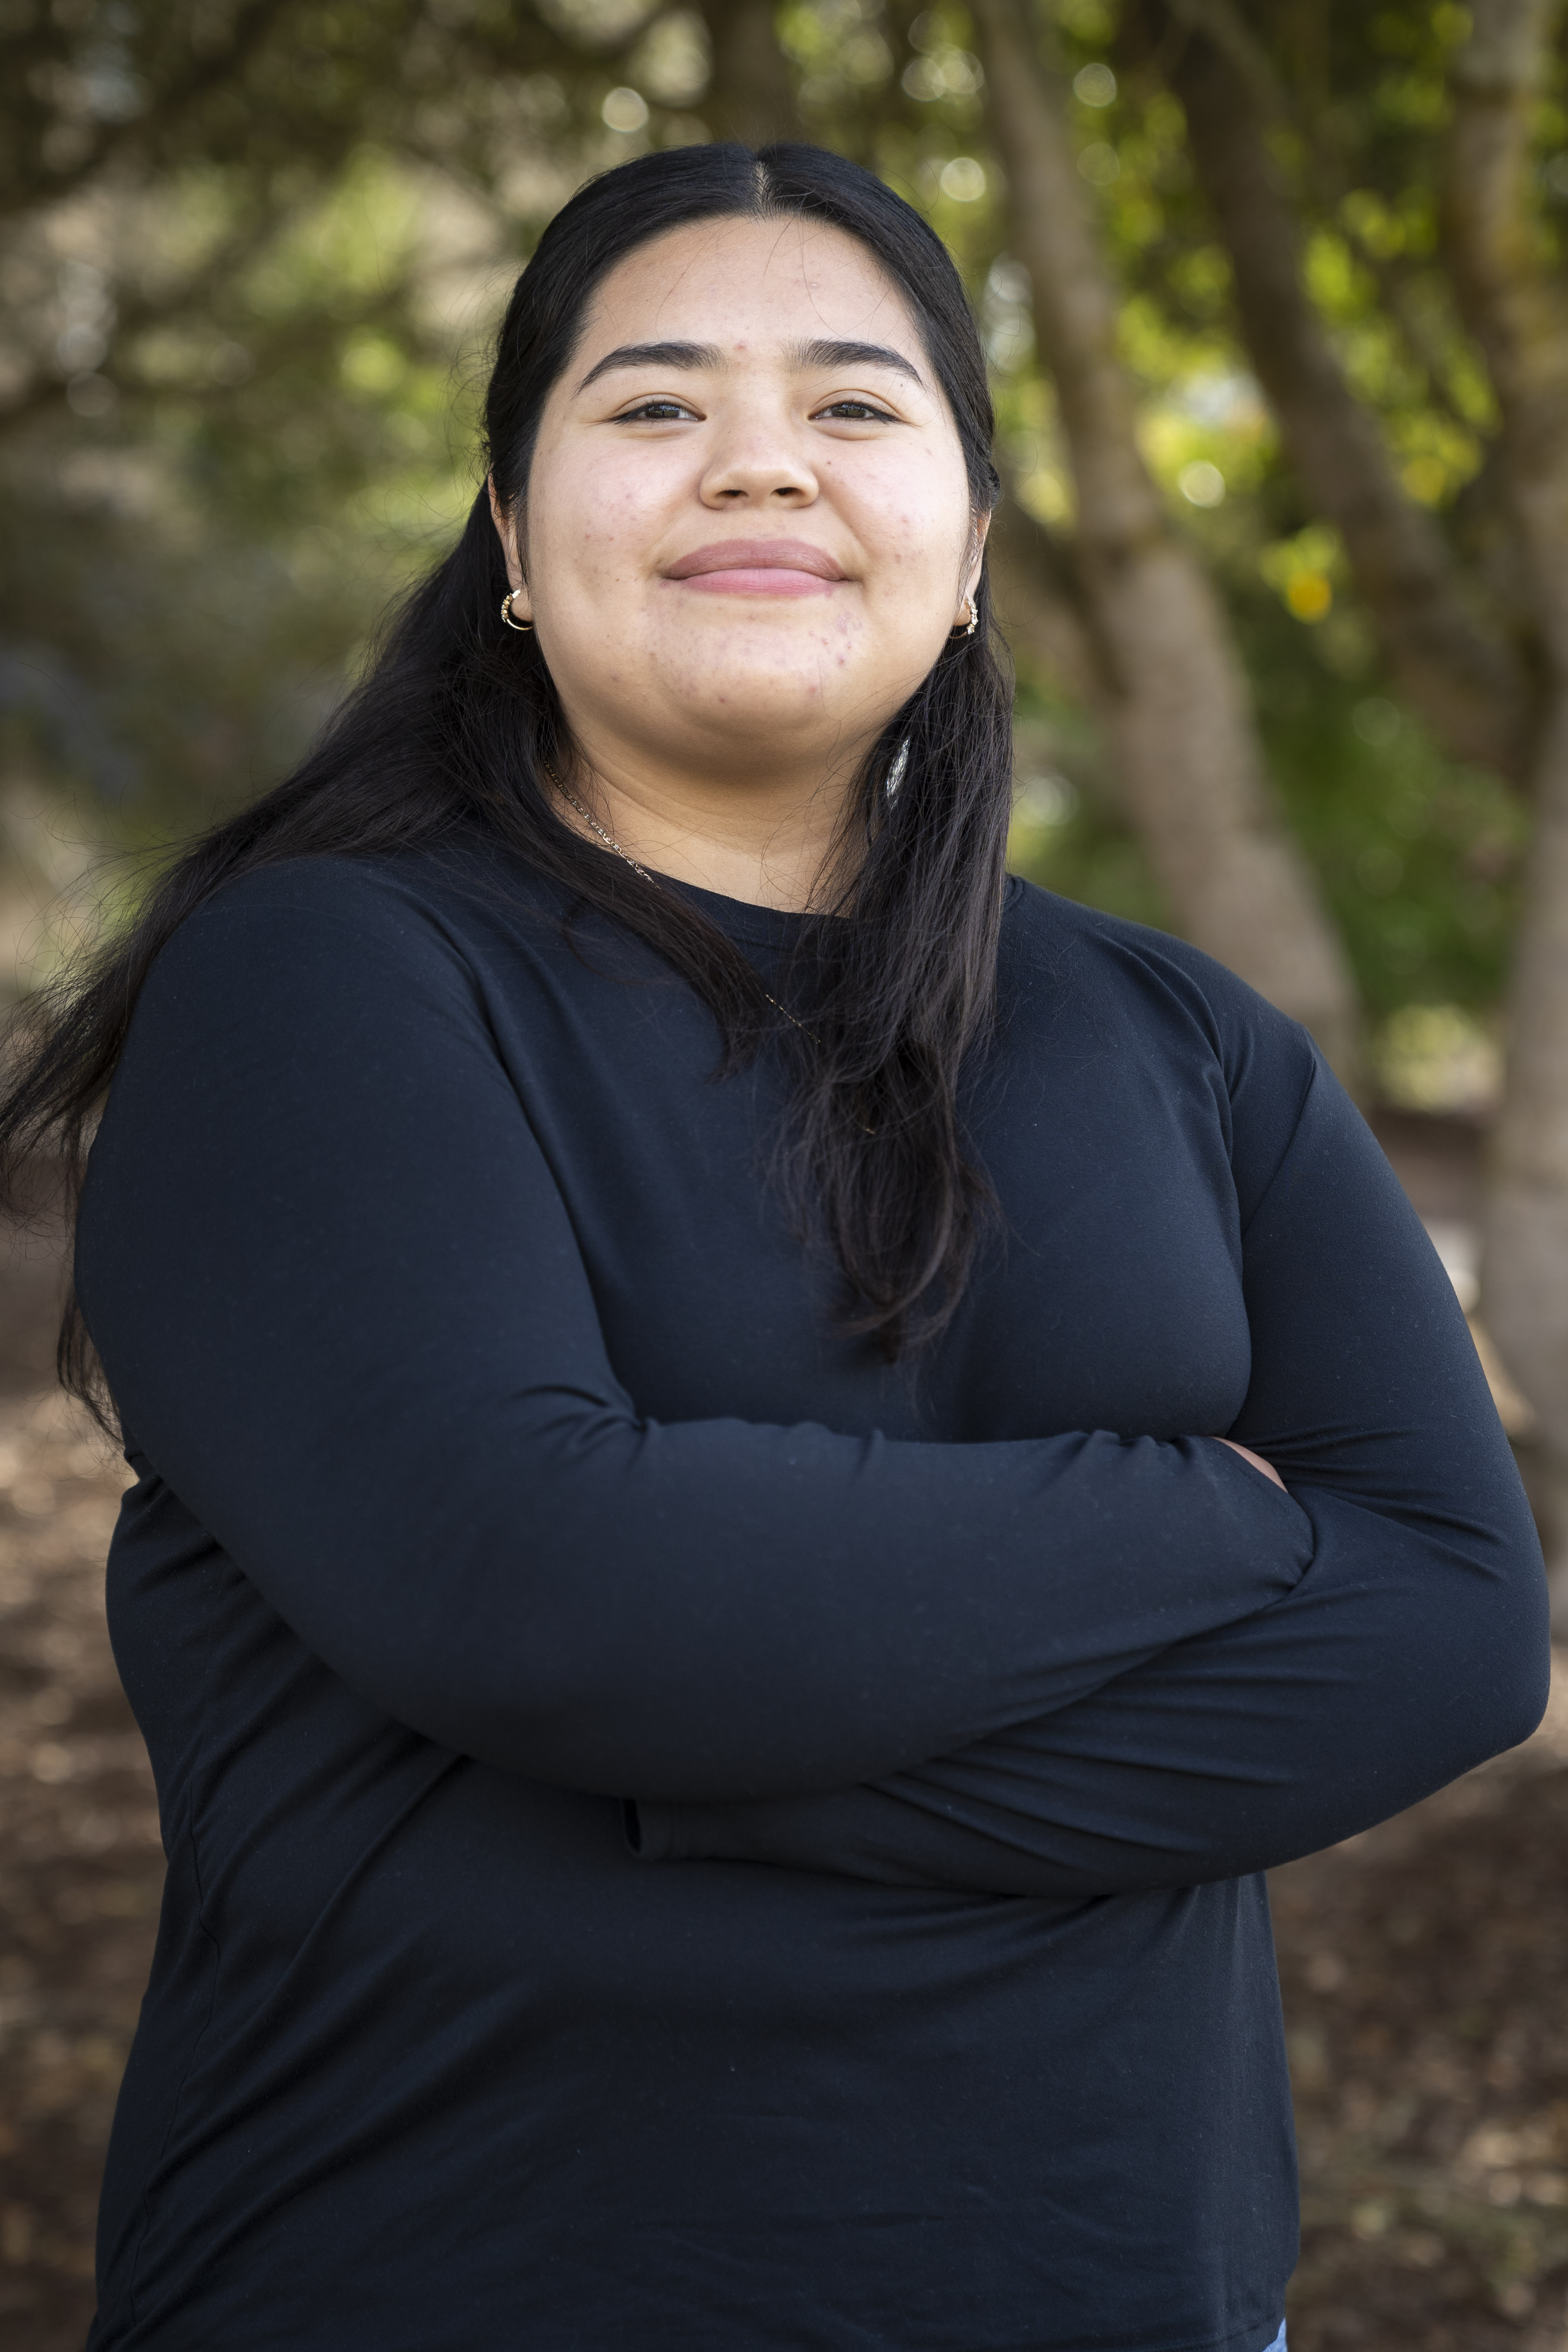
[(741, 918), (776, 927), (769, 927)]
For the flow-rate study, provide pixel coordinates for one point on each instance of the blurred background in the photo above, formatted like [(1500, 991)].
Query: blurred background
[(1275, 298)]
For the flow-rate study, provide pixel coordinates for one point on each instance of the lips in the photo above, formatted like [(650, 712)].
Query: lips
[(758, 567)]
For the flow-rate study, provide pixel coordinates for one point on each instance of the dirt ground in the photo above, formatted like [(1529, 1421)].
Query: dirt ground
[(1424, 1965)]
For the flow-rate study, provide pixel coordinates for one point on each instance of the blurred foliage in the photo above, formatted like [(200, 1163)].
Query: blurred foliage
[(250, 251)]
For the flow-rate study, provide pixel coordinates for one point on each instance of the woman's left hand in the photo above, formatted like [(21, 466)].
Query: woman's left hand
[(1257, 1460)]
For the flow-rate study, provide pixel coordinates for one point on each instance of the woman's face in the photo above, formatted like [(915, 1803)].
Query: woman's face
[(748, 526)]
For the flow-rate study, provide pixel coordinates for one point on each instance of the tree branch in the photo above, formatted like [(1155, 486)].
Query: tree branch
[(1219, 24), (1467, 685), (1394, 278), (1076, 306), (171, 104), (1518, 317), (1170, 690), (193, 295), (1514, 307)]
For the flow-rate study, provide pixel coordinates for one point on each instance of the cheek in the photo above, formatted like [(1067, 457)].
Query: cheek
[(593, 525), (913, 519)]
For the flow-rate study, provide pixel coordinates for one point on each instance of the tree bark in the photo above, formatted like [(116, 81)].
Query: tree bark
[(1519, 316), (1173, 696), (751, 97), (1039, 602), (1468, 686)]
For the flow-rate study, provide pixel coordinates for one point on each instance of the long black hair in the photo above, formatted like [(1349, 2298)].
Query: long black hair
[(454, 722)]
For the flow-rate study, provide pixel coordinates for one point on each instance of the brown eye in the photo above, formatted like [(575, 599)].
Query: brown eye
[(653, 412), (858, 412)]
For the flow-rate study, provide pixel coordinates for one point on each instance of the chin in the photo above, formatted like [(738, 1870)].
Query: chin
[(824, 682)]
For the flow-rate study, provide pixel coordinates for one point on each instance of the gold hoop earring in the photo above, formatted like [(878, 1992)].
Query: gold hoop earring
[(523, 628), (967, 628)]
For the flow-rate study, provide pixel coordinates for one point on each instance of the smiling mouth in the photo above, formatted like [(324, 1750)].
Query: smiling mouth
[(758, 567)]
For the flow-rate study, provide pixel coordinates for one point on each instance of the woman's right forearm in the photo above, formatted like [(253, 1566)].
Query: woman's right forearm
[(1393, 1667)]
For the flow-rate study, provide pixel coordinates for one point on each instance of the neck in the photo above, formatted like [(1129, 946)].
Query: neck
[(774, 843)]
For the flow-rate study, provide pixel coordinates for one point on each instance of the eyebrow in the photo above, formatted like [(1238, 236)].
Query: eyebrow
[(842, 355), (668, 355), (822, 354)]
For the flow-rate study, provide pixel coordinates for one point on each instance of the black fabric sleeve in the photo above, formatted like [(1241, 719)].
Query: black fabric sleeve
[(342, 1311), (1414, 1647)]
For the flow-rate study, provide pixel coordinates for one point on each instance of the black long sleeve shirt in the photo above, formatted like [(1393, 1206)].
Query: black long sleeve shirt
[(503, 1484)]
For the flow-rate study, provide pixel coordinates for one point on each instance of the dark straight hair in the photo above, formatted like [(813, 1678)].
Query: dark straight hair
[(456, 721)]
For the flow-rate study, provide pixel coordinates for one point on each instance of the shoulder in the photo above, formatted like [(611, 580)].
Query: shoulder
[(1082, 948), (299, 964), (305, 986), (418, 895), (1129, 980), (1139, 1003), (348, 922)]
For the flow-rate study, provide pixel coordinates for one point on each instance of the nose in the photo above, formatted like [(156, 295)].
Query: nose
[(759, 467)]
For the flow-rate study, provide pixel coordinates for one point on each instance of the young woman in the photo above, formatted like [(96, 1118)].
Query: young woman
[(769, 1467)]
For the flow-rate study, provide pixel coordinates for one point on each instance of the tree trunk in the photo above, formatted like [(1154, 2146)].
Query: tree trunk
[(1465, 685), (1173, 696), (1518, 317), (1038, 602), (751, 97)]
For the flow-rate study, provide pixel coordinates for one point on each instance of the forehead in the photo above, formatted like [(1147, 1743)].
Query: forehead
[(768, 285)]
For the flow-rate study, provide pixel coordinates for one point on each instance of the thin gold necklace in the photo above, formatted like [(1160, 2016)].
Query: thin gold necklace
[(610, 843), (592, 823)]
